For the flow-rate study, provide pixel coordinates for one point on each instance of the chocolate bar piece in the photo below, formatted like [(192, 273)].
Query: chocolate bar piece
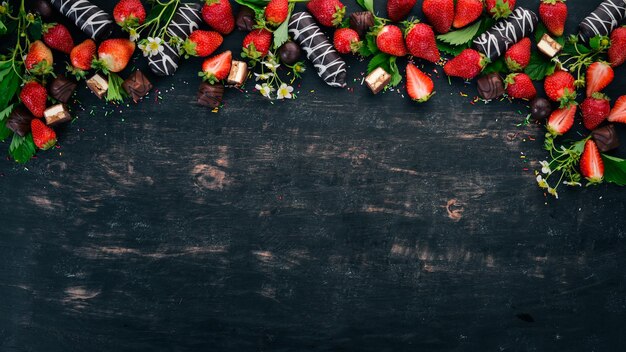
[(19, 121), (57, 114), (495, 41), (186, 19), (238, 73), (98, 85), (210, 94), (606, 138), (137, 85), (361, 22), (377, 80), (548, 46), (603, 20), (62, 88), (96, 23), (490, 86), (329, 65), (164, 63)]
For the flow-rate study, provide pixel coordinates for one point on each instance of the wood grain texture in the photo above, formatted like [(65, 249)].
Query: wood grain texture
[(335, 222)]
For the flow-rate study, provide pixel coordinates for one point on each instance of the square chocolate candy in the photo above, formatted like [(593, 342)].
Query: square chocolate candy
[(62, 88), (377, 80), (210, 95), (56, 114), (137, 85), (19, 121), (238, 73), (606, 138), (548, 46), (98, 85)]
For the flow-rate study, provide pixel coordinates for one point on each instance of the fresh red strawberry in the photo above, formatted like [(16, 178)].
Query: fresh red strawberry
[(562, 119), (129, 13), (34, 97), (389, 40), (439, 13), (39, 58), (500, 8), (276, 12), (43, 136), (219, 15), (328, 13), (418, 84), (553, 14), (257, 43), (617, 51), (202, 43), (216, 68), (467, 65), (420, 41), (618, 113), (591, 165), (397, 10), (520, 86), (599, 75), (58, 37), (595, 110), (83, 54), (114, 54), (518, 55), (559, 86), (346, 40), (467, 11)]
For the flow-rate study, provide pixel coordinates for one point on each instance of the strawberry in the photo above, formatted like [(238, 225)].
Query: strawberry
[(43, 136), (390, 41), (216, 68), (420, 41), (559, 86), (595, 110), (439, 13), (346, 41), (467, 11), (518, 55), (276, 12), (201, 43), (591, 165), (114, 54), (397, 10), (34, 97), (58, 37), (257, 43), (520, 86), (467, 65), (83, 54), (500, 8), (328, 13), (129, 13), (418, 85), (617, 51), (618, 113), (39, 58), (553, 14), (219, 15), (562, 119), (599, 75)]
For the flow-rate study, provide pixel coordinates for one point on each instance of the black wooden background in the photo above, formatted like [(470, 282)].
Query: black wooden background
[(338, 221)]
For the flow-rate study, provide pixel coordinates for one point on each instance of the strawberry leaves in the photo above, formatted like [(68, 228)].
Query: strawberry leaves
[(614, 170), (366, 4), (281, 34), (539, 67), (388, 63), (22, 148), (462, 36)]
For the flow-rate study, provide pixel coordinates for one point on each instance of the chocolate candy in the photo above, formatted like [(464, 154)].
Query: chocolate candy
[(377, 80), (494, 42), (19, 121), (98, 85), (137, 85), (329, 65), (289, 52), (603, 20), (96, 23), (186, 19), (361, 22), (540, 108), (245, 19), (57, 114), (62, 88), (164, 63), (210, 94), (238, 73), (548, 46), (43, 9), (606, 138), (490, 86)]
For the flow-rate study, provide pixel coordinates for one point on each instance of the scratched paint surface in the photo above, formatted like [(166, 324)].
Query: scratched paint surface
[(336, 222)]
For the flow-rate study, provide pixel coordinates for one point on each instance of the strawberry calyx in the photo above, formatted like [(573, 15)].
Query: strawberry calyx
[(567, 99), (251, 53), (208, 77), (42, 68), (501, 10), (600, 96), (100, 65), (340, 12), (76, 72), (552, 2), (188, 48)]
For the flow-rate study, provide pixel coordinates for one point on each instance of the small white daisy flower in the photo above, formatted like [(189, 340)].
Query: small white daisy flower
[(284, 91)]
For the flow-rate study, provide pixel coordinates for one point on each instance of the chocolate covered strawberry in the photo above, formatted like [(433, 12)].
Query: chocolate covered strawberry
[(500, 8), (595, 109), (618, 113), (58, 37), (561, 120), (418, 85), (467, 64), (256, 44), (591, 165), (467, 11), (617, 51), (34, 96), (559, 86), (219, 15), (328, 13), (553, 14), (43, 136), (439, 13), (420, 41), (39, 59), (346, 40), (520, 86), (599, 76), (389, 40), (114, 54), (216, 68), (397, 10), (201, 43), (517, 57), (276, 12), (129, 13), (81, 57)]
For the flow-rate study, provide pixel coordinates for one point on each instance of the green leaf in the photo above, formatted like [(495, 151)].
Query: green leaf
[(379, 60), (396, 77), (614, 170), (539, 67), (366, 4), (498, 66), (22, 148), (34, 29), (115, 93), (9, 83), (4, 130), (281, 34), (453, 50), (461, 36), (3, 28), (369, 48), (257, 5), (6, 112)]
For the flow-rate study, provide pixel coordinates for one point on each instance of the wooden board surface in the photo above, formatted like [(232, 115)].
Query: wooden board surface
[(339, 221)]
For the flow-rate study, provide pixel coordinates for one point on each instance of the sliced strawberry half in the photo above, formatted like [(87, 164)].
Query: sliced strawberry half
[(561, 120), (418, 84), (618, 113), (591, 165), (216, 68)]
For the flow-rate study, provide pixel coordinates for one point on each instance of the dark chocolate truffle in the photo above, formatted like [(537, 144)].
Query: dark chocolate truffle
[(490, 86), (137, 85), (43, 9), (289, 52), (19, 121), (210, 94), (606, 138), (245, 19), (62, 88), (540, 108), (361, 22)]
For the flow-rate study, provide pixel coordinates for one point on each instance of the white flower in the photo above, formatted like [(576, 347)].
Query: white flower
[(262, 76), (271, 65), (541, 182), (152, 47), (545, 167), (133, 34), (284, 91), (264, 89), (552, 191), (298, 67), (573, 184)]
